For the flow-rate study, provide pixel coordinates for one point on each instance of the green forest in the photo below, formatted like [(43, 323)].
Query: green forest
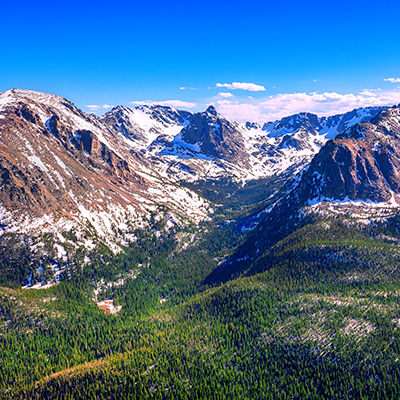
[(315, 316)]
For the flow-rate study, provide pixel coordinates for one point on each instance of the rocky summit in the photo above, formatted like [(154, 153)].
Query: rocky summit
[(362, 163)]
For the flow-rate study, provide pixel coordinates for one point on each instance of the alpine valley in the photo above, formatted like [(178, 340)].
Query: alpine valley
[(158, 253)]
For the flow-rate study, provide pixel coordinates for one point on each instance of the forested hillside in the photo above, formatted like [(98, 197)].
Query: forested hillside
[(316, 317)]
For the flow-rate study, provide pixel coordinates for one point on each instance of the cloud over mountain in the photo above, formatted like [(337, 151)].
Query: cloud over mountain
[(284, 104)]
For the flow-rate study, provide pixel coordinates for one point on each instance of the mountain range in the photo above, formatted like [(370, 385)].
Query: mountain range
[(65, 173)]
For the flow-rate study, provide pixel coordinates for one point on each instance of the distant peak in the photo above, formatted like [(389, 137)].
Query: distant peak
[(23, 94), (211, 110), (120, 108), (10, 92), (26, 92)]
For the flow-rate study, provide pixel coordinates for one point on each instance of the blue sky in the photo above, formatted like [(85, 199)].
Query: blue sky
[(319, 56)]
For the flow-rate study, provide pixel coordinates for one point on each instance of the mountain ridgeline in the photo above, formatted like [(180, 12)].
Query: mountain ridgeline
[(99, 179)]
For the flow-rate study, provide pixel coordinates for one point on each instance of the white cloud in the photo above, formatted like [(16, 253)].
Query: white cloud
[(225, 94), (183, 88), (393, 80), (367, 92), (327, 103), (324, 104), (252, 87), (240, 111), (170, 103), (93, 107)]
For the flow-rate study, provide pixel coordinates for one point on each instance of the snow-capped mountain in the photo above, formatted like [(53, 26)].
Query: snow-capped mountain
[(187, 146), (306, 122), (362, 163), (354, 176), (209, 146), (286, 145), (142, 125), (62, 150), (66, 174), (64, 170), (311, 123), (336, 124), (216, 137), (289, 144)]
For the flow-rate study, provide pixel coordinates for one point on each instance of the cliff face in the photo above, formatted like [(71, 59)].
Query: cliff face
[(62, 170), (216, 137), (360, 164), (51, 153)]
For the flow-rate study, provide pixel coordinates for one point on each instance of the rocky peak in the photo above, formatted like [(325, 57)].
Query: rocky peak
[(362, 163), (252, 125), (389, 120), (212, 110), (301, 120), (144, 124), (216, 136), (306, 122), (169, 115), (119, 109), (337, 124)]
